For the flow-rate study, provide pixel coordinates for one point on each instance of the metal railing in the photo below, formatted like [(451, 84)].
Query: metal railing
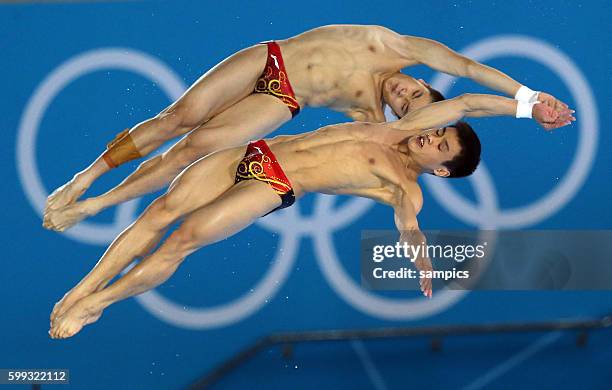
[(436, 332)]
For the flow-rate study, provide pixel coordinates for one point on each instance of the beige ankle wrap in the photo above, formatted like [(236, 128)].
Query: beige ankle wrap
[(120, 150)]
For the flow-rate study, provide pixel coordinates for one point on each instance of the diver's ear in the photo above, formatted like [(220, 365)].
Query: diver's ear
[(425, 83), (441, 172)]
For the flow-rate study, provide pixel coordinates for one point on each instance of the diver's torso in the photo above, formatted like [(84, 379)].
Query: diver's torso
[(340, 67), (340, 159)]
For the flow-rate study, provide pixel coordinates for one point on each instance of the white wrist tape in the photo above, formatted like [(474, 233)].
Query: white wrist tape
[(524, 109), (525, 94)]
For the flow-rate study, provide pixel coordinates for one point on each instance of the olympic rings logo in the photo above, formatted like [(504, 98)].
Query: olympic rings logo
[(326, 219)]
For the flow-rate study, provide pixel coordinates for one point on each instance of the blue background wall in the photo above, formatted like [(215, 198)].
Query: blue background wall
[(140, 348)]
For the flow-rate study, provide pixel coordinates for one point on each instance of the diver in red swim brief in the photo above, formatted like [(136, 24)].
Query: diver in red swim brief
[(351, 69), (274, 80), (259, 163)]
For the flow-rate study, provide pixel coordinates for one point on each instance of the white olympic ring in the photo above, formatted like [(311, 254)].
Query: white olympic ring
[(289, 223), (548, 205), (91, 233), (80, 65)]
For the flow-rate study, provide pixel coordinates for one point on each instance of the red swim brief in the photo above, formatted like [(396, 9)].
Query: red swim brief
[(274, 80), (259, 163)]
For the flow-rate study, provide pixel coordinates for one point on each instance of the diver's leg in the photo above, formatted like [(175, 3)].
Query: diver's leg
[(198, 185), (231, 212), (219, 88), (251, 118)]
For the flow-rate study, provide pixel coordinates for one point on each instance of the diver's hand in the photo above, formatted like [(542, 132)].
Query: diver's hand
[(424, 264), (550, 117), (551, 101)]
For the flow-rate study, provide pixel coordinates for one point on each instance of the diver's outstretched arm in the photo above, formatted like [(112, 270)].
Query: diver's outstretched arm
[(444, 59), (479, 105), (406, 222)]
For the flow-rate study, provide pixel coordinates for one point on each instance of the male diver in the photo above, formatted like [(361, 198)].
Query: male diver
[(348, 68), (226, 191)]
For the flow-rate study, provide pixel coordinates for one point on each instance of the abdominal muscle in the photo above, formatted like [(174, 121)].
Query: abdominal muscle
[(326, 67), (327, 163)]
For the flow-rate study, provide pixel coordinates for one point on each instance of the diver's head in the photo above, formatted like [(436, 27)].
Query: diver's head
[(404, 93), (451, 151)]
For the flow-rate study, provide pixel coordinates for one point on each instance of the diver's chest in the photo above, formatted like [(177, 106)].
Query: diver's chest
[(356, 83)]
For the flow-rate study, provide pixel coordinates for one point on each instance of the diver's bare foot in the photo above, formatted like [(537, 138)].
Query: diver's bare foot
[(70, 298), (66, 194), (82, 313), (67, 216)]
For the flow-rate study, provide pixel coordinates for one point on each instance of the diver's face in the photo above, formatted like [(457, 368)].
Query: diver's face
[(404, 93), (432, 148)]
